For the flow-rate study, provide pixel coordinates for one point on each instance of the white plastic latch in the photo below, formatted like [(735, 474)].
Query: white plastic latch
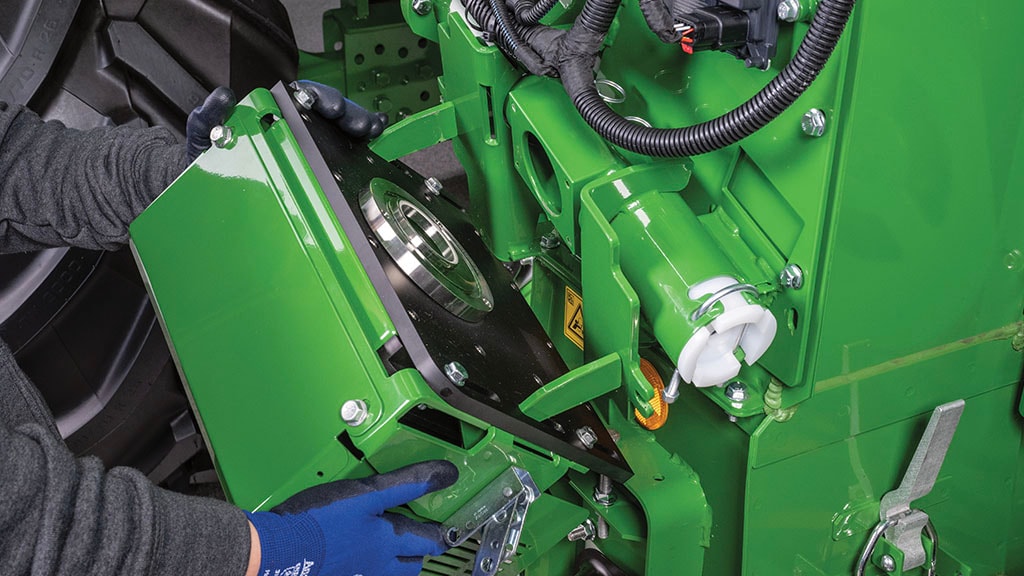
[(709, 357)]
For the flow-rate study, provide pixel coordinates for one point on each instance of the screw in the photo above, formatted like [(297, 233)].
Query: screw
[(888, 563), (736, 391), (487, 564), (422, 7), (789, 10), (587, 436), (354, 412), (305, 98), (813, 123), (456, 372), (507, 492), (222, 136), (584, 531), (550, 240), (381, 79), (792, 276), (434, 186)]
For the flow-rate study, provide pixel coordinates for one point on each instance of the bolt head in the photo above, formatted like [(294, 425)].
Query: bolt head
[(587, 436), (789, 10), (354, 412), (736, 391), (888, 563), (457, 373), (792, 276), (422, 7), (222, 136), (550, 241), (434, 186), (813, 123), (305, 98)]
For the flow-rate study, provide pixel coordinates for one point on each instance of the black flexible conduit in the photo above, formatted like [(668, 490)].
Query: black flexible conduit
[(815, 50), (573, 54), (530, 13)]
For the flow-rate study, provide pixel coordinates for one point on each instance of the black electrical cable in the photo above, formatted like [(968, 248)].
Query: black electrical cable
[(530, 13), (576, 70)]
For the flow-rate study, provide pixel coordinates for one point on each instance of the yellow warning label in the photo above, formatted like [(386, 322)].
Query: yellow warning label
[(573, 317)]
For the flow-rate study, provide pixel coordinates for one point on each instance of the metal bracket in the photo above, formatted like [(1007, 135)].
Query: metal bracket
[(902, 525), (498, 513)]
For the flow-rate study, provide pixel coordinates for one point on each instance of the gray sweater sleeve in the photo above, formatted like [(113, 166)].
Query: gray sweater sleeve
[(64, 187), (66, 516)]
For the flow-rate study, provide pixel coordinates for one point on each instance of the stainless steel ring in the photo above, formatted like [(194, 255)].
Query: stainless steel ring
[(730, 289), (619, 95)]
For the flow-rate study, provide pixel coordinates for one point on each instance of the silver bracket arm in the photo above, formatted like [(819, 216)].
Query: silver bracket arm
[(497, 513), (902, 525)]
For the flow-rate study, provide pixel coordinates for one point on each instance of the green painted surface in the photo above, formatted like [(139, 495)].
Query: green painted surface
[(903, 218)]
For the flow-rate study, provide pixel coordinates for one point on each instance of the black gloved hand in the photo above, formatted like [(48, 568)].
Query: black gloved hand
[(329, 103), (213, 112), (341, 528)]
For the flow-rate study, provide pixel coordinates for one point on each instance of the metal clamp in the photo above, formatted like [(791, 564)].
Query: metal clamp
[(618, 95), (498, 513), (902, 525), (730, 289), (876, 534)]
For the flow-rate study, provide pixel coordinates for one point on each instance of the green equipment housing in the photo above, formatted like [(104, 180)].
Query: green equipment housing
[(793, 352)]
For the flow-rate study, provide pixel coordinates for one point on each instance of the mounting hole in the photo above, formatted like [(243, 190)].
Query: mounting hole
[(320, 474), (359, 59), (422, 43), (403, 52), (792, 319), (659, 477), (378, 49), (542, 176), (424, 96)]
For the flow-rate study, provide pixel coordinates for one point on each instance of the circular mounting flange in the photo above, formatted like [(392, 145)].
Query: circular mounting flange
[(425, 250)]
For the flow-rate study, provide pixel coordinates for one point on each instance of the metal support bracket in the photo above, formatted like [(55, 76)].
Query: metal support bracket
[(902, 525), (497, 513)]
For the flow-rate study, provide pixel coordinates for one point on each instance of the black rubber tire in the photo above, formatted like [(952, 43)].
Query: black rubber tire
[(80, 322)]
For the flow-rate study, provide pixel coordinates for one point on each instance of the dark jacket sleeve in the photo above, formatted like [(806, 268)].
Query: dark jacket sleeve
[(63, 516), (61, 187)]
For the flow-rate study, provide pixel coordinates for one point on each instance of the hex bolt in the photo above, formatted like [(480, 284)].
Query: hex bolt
[(354, 412), (222, 136), (304, 98), (457, 373), (813, 123), (550, 240), (584, 531), (888, 563), (487, 564), (434, 186), (587, 436), (422, 7), (792, 276), (736, 391), (789, 10)]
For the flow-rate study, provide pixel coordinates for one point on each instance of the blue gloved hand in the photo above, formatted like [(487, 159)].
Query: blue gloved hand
[(341, 528), (352, 118), (213, 112)]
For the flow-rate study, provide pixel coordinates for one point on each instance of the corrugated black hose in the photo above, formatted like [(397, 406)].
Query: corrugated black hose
[(529, 12), (577, 64)]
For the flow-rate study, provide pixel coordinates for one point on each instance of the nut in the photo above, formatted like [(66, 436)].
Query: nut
[(222, 136), (434, 186), (354, 412), (792, 276), (813, 123), (304, 98), (587, 436), (789, 10), (422, 7), (457, 373), (736, 391)]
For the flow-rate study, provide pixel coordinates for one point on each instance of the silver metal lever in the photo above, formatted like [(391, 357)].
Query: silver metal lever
[(497, 513), (902, 525)]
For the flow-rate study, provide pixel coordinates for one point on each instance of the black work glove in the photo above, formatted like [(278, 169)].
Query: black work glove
[(327, 102), (213, 112), (341, 528)]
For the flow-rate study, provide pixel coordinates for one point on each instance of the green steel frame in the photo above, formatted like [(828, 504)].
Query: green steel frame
[(903, 218)]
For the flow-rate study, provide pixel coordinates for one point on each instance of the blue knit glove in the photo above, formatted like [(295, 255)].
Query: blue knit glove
[(213, 111), (329, 103), (341, 528)]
